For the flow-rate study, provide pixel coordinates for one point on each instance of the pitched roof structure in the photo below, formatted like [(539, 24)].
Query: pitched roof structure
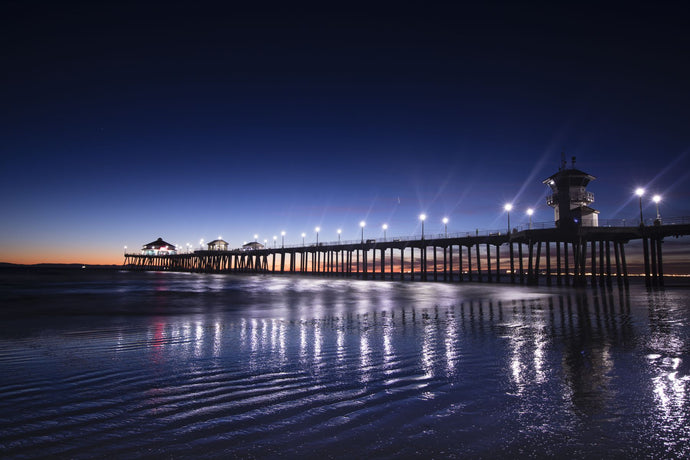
[(159, 244)]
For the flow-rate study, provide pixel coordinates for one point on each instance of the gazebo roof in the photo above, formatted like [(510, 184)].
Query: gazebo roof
[(218, 241), (159, 243)]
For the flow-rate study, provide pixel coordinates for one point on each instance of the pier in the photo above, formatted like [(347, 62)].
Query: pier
[(579, 256), (575, 250)]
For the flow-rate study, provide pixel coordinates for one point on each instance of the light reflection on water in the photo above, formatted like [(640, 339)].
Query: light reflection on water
[(255, 366)]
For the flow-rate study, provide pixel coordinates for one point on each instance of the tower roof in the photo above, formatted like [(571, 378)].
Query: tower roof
[(569, 173)]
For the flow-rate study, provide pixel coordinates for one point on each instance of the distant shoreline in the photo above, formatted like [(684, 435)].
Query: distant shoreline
[(75, 266)]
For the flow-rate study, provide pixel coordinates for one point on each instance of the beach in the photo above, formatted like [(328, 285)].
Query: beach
[(182, 365)]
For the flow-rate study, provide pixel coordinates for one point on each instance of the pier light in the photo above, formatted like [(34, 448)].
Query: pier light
[(422, 217), (317, 229), (125, 249), (275, 238), (507, 207), (639, 192), (339, 232), (384, 227), (201, 244), (362, 224), (530, 211), (303, 235), (256, 237), (656, 199), (445, 226), (265, 243), (282, 239)]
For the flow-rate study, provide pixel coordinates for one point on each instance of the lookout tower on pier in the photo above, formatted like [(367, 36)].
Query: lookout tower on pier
[(570, 200)]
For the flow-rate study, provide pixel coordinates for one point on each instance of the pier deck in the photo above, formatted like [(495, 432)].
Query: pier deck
[(577, 257)]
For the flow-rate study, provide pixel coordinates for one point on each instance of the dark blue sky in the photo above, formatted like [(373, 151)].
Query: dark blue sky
[(127, 122)]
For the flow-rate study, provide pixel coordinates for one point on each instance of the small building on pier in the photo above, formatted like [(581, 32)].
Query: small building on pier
[(252, 245), (570, 200), (218, 245), (158, 248)]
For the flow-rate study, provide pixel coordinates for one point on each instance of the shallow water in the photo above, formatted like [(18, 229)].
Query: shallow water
[(117, 364)]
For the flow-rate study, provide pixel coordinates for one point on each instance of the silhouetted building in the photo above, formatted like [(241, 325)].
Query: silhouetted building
[(253, 245), (218, 245), (570, 199), (158, 247)]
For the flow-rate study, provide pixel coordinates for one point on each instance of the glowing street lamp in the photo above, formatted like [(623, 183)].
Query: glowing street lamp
[(274, 240), (656, 199), (507, 208), (362, 224), (303, 235), (201, 244), (265, 243), (530, 211), (339, 232), (385, 227), (317, 229), (639, 192), (125, 249), (422, 217), (256, 238), (445, 226), (282, 239)]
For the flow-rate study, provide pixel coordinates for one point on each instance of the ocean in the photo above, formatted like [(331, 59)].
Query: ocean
[(115, 364)]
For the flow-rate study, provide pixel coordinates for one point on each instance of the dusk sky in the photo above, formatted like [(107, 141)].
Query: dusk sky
[(185, 120)]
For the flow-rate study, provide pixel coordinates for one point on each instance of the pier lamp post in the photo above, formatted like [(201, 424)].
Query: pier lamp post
[(201, 244), (507, 208), (303, 235), (282, 239), (256, 238), (530, 211), (422, 217), (265, 244), (317, 229), (362, 224), (385, 227), (339, 232), (274, 240), (445, 226), (639, 192), (125, 250), (656, 199)]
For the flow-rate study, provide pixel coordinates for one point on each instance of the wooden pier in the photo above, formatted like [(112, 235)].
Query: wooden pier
[(578, 256)]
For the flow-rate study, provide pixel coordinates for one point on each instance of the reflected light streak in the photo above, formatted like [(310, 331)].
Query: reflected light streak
[(302, 339), (216, 339), (364, 353), (318, 338), (539, 344), (198, 339), (427, 360), (281, 341), (516, 366), (450, 343), (388, 351), (340, 339)]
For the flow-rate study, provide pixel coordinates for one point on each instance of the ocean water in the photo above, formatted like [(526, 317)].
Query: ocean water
[(108, 364)]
